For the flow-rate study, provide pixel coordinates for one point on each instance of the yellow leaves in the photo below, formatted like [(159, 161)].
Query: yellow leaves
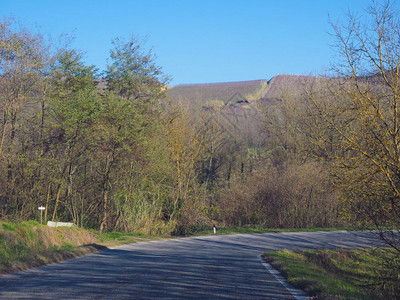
[(185, 148), (184, 139)]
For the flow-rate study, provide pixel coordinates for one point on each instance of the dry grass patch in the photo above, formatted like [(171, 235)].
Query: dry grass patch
[(29, 244)]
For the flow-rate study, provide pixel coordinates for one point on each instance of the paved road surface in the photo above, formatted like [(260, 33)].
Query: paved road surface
[(212, 267)]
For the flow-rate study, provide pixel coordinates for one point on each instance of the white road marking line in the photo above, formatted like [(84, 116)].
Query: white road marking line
[(296, 293)]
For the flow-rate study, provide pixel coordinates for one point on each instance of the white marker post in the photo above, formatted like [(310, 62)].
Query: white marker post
[(41, 208), (215, 229)]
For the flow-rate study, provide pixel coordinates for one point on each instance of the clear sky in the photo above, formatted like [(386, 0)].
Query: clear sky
[(199, 41)]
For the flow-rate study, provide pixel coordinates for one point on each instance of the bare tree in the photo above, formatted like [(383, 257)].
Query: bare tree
[(358, 119)]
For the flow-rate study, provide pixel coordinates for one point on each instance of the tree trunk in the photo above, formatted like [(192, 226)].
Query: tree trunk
[(47, 202), (3, 133), (105, 215), (57, 201), (106, 183)]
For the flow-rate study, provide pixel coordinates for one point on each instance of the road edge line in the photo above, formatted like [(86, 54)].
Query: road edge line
[(296, 293)]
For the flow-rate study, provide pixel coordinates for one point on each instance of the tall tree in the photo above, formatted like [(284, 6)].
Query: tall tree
[(74, 109), (133, 73), (23, 57), (129, 125)]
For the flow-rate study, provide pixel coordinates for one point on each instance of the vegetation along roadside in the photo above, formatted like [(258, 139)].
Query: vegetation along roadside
[(28, 244), (119, 151), (341, 274)]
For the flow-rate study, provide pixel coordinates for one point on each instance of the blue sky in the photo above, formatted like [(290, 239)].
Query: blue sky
[(199, 41)]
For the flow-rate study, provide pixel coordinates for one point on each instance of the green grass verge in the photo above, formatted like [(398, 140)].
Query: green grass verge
[(341, 274), (118, 238), (29, 244), (269, 230)]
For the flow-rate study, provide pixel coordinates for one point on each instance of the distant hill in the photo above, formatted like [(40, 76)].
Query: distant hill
[(237, 104), (241, 91), (282, 85), (223, 92)]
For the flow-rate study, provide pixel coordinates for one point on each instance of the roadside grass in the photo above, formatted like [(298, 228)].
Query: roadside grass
[(269, 230), (341, 274), (29, 244), (119, 238)]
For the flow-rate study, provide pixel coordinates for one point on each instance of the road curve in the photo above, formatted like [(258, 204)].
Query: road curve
[(211, 267)]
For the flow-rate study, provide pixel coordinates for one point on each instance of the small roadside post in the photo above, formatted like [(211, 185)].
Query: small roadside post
[(215, 229), (41, 208)]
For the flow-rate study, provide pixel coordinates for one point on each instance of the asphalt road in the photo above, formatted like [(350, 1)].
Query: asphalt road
[(212, 267)]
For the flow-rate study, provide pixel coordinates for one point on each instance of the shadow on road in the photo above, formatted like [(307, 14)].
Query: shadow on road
[(214, 267)]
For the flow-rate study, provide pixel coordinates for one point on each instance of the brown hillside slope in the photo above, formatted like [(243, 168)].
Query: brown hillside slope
[(225, 91), (276, 88), (281, 85)]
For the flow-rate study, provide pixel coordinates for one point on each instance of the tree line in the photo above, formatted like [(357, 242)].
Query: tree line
[(111, 151), (88, 154)]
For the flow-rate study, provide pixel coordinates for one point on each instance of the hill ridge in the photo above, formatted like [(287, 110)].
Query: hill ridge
[(251, 90), (220, 83)]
